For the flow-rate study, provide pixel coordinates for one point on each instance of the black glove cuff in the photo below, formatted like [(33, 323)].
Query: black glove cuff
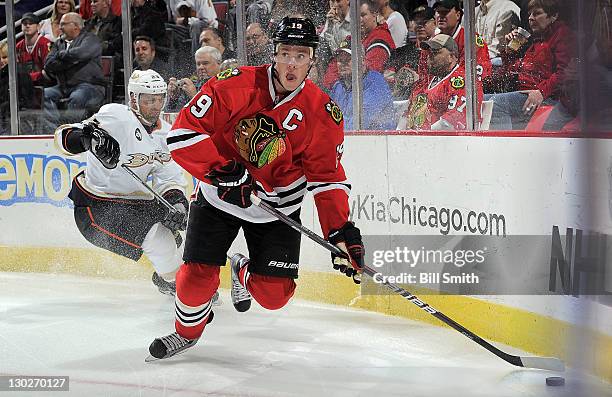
[(175, 196)]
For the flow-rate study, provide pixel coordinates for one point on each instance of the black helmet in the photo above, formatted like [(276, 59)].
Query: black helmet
[(296, 31)]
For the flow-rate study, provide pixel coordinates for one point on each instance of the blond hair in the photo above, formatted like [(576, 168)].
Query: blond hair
[(55, 17)]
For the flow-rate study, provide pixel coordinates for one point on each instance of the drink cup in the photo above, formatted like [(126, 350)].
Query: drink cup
[(521, 38)]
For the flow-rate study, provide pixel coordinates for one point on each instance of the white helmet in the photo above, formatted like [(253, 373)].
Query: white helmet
[(146, 82)]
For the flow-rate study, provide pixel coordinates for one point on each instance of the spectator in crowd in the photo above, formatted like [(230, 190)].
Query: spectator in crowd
[(33, 49), (107, 26), (448, 15), (533, 75), (401, 69), (377, 109), (50, 27), (259, 46), (337, 26), (196, 15), (441, 104), (24, 85), (148, 19), (74, 62), (494, 20), (180, 91), (395, 21), (258, 11), (212, 37), (376, 39), (146, 57), (86, 11)]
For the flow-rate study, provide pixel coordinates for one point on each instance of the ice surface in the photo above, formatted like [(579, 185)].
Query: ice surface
[(97, 332)]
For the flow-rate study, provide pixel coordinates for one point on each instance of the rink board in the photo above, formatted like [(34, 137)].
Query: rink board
[(533, 183)]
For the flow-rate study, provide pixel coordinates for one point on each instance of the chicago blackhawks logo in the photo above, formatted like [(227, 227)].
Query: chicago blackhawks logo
[(479, 41), (334, 111), (227, 73), (259, 140), (418, 112), (457, 82)]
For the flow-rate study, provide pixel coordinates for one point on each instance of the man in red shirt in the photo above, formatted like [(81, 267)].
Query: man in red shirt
[(265, 130), (441, 105), (448, 15), (33, 49)]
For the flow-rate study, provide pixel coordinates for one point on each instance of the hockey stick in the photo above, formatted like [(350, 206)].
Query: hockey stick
[(549, 363), (157, 196)]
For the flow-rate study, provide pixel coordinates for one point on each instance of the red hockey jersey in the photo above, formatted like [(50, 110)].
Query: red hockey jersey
[(289, 146), (483, 62), (443, 99), (33, 60)]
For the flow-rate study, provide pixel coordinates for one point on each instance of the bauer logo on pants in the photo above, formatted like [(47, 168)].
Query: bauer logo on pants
[(284, 265)]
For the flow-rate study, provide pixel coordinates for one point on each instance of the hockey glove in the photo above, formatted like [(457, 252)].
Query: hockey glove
[(348, 239), (234, 183), (100, 143), (176, 219)]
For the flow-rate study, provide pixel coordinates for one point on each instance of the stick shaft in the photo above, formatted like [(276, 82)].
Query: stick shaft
[(533, 362), (157, 196)]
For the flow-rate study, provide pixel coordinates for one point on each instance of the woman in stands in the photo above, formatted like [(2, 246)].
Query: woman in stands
[(532, 75), (50, 27)]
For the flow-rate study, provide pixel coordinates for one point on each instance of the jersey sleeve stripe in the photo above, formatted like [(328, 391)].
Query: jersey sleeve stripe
[(380, 44), (178, 139), (318, 187)]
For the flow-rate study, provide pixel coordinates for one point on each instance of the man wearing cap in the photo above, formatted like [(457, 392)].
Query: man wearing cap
[(448, 14), (441, 104), (377, 109), (33, 49)]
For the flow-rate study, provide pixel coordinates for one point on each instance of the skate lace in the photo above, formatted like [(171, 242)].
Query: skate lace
[(240, 293), (174, 342)]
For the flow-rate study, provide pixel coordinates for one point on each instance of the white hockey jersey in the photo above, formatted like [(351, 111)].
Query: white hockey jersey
[(147, 154)]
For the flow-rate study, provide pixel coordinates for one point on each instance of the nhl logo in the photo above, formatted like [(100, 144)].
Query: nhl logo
[(138, 134)]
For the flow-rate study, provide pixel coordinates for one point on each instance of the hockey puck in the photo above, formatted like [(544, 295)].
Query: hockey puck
[(555, 381)]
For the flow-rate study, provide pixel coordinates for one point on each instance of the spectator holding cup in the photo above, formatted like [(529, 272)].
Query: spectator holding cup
[(533, 66)]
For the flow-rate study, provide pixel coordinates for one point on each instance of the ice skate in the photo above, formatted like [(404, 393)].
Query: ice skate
[(240, 296), (165, 287)]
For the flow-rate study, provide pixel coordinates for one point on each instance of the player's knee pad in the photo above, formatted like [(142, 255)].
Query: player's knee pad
[(196, 283), (270, 292)]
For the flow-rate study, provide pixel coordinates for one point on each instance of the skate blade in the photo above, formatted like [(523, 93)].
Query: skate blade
[(151, 359)]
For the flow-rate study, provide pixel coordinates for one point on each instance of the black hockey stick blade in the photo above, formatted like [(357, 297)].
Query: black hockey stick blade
[(548, 363)]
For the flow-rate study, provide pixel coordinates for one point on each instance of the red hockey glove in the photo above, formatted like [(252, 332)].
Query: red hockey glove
[(176, 219), (234, 183), (348, 239)]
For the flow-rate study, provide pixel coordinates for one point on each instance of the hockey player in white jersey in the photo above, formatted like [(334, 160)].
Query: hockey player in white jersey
[(112, 210)]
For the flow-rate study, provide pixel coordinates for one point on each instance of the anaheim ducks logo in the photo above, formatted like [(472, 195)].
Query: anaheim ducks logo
[(259, 140), (479, 41), (457, 82), (140, 159), (227, 73), (417, 114), (334, 111)]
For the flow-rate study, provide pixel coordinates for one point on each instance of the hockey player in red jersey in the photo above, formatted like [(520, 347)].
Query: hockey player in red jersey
[(267, 130), (440, 105)]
